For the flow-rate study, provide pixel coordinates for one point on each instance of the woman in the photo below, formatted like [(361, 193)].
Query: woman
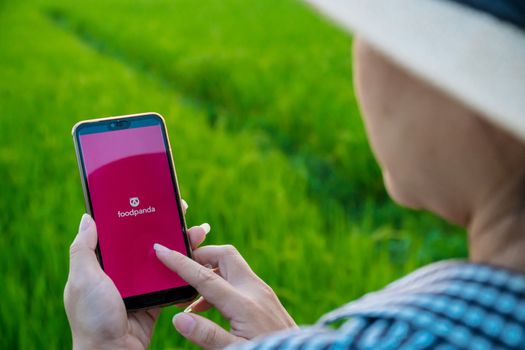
[(441, 85)]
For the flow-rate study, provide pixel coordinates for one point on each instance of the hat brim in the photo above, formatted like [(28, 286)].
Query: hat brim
[(471, 55)]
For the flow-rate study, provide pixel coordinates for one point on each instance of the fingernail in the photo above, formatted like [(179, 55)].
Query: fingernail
[(184, 323), (85, 222), (161, 248), (192, 305), (185, 205), (206, 227)]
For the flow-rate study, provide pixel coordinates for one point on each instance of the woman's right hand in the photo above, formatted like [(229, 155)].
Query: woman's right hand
[(249, 304)]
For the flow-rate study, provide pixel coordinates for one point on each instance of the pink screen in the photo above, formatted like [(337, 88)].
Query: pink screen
[(134, 206)]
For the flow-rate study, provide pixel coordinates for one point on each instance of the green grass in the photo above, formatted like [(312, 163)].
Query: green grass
[(266, 135)]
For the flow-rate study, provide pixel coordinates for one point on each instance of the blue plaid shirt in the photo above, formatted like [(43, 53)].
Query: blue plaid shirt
[(446, 305)]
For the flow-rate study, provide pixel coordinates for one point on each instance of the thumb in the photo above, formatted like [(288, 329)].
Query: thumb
[(203, 332), (82, 251)]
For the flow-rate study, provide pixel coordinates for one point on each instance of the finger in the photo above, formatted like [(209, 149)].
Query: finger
[(210, 285), (184, 206), (197, 234), (147, 318), (203, 332), (82, 251), (232, 265)]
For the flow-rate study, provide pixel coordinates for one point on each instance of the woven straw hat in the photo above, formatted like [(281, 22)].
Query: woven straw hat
[(472, 49)]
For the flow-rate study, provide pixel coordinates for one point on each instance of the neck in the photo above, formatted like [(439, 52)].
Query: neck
[(496, 230)]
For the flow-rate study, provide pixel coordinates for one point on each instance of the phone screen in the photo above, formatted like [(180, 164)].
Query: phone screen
[(134, 204)]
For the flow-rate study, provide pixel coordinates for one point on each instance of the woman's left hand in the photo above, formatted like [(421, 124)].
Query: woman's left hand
[(94, 307), (249, 304)]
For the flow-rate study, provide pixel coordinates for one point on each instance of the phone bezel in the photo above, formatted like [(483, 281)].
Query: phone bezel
[(158, 298)]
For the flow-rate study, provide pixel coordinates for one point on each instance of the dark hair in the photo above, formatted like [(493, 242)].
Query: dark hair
[(511, 11)]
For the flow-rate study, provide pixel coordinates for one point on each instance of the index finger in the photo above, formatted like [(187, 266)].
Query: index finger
[(211, 286)]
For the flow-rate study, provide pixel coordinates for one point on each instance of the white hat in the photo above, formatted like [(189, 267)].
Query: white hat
[(474, 50)]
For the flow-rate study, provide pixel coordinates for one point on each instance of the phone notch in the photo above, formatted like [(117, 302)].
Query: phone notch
[(119, 124)]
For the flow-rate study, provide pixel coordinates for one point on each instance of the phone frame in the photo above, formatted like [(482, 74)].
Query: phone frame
[(155, 299)]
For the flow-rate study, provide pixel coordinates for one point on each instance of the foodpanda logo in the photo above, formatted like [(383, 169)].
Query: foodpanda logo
[(134, 202)]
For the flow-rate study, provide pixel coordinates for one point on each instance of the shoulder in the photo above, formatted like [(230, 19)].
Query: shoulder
[(355, 333), (449, 305)]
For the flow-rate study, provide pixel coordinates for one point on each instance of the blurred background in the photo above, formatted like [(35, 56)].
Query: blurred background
[(266, 136)]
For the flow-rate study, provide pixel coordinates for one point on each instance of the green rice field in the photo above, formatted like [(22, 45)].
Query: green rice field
[(266, 136)]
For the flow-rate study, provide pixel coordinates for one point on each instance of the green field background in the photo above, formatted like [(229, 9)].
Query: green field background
[(266, 136)]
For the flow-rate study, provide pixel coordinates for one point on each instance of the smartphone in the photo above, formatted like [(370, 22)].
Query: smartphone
[(131, 191)]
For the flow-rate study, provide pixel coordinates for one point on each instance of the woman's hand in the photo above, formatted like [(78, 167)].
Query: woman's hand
[(94, 307), (244, 299)]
